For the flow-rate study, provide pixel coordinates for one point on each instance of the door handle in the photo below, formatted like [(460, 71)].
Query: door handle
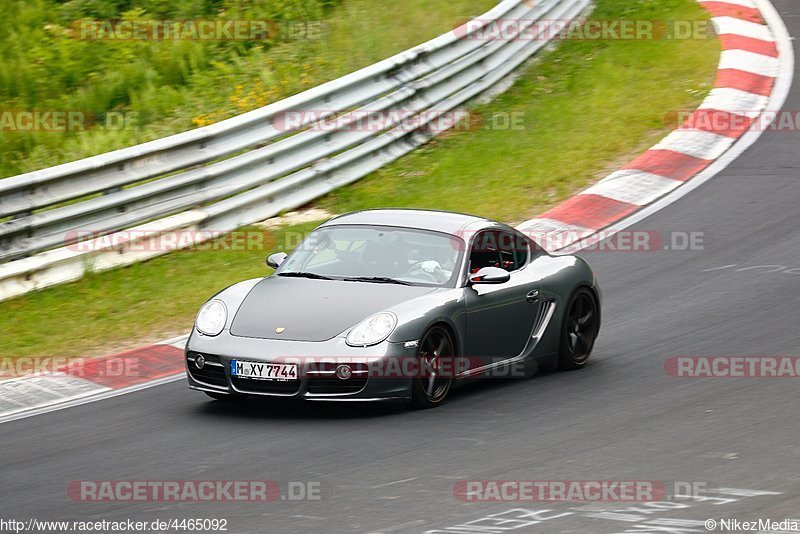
[(532, 296)]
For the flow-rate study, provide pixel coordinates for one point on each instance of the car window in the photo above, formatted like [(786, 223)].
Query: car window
[(484, 252), (505, 243), (521, 249), (412, 256), (495, 248)]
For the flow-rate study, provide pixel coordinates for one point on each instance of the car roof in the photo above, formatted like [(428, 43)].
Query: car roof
[(440, 221)]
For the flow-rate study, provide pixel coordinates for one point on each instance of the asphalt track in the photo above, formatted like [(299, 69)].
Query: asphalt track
[(621, 418)]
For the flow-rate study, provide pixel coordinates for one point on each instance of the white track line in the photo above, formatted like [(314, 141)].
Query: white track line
[(633, 186), (696, 143), (735, 101), (731, 25), (69, 391), (750, 62), (87, 400)]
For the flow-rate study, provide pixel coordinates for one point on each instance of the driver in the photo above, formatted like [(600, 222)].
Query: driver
[(434, 268)]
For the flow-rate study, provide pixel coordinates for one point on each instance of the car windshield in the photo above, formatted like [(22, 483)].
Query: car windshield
[(377, 254)]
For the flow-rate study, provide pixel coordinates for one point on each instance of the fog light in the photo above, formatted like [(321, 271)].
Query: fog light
[(344, 372), (200, 361)]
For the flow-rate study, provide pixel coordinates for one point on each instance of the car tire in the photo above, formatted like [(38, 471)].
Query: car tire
[(427, 389), (579, 329)]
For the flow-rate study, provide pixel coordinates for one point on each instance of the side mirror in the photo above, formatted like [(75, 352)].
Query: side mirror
[(275, 260), (490, 275)]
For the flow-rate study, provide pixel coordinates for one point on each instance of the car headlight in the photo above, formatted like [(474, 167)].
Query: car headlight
[(212, 318), (372, 330)]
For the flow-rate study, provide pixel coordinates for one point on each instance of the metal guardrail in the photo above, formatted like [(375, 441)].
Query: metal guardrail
[(251, 167)]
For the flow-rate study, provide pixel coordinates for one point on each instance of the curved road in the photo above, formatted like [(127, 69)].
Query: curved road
[(622, 418)]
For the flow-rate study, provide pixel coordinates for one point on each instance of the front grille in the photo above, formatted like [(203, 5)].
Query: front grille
[(323, 380), (247, 385), (336, 385), (212, 373)]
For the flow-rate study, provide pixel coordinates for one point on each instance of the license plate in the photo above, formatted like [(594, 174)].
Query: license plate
[(282, 372)]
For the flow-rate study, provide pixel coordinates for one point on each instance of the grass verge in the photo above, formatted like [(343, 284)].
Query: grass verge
[(134, 90), (586, 107)]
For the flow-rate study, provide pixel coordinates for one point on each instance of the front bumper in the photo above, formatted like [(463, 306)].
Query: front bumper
[(316, 381)]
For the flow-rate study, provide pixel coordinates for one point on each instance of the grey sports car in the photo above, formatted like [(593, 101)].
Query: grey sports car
[(395, 304)]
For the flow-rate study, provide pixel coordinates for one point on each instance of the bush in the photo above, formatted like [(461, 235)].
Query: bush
[(46, 65)]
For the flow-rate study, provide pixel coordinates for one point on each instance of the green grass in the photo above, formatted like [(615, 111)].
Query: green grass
[(587, 108), (169, 86)]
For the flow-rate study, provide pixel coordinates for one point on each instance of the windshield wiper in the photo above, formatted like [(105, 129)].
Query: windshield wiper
[(313, 276), (377, 280)]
